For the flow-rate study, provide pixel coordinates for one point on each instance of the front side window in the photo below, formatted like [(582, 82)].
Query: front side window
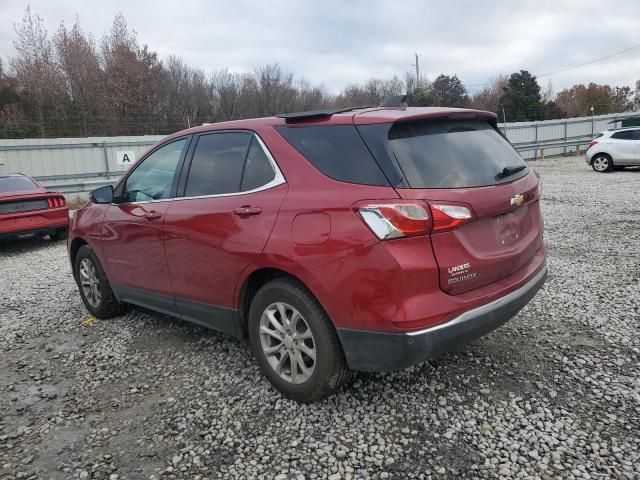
[(153, 178)]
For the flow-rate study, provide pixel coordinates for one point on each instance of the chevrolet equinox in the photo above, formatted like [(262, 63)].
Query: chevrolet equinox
[(358, 239)]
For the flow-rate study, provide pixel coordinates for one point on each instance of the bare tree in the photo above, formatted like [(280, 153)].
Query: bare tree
[(489, 97), (83, 79), (226, 88), (311, 98), (374, 92), (37, 71), (133, 80), (276, 92)]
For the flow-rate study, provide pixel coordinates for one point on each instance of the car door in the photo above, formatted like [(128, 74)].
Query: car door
[(132, 229), (624, 147), (637, 150), (232, 193)]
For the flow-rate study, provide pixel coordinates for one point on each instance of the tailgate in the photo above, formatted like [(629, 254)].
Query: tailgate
[(499, 241), (465, 165)]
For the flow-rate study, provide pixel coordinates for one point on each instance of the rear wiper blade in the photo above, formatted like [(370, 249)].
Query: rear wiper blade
[(508, 171)]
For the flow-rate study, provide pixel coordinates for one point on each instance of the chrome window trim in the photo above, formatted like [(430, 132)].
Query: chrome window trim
[(278, 179)]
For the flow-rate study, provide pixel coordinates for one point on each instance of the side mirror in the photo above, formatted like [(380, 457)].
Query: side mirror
[(102, 195)]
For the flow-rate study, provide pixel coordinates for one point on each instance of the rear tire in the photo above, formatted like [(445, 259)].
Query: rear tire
[(288, 326), (60, 234), (94, 286), (602, 163)]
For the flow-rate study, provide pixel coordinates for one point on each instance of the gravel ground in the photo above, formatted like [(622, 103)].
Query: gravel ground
[(554, 393)]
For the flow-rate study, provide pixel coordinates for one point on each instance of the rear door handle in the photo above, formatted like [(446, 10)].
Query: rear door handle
[(152, 215), (247, 210)]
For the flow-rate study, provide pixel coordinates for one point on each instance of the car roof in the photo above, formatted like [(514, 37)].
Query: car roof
[(357, 115), (622, 128)]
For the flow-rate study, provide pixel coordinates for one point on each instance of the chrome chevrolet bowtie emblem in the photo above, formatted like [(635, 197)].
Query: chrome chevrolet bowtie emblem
[(517, 200)]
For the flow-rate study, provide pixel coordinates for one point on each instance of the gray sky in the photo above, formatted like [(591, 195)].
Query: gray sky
[(339, 42)]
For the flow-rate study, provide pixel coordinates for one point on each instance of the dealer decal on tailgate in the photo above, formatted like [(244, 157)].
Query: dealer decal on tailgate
[(460, 273)]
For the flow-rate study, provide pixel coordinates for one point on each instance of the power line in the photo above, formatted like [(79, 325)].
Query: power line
[(595, 60), (590, 61)]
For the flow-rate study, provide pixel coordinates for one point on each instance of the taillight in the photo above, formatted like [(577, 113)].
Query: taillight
[(389, 219), (447, 217), (56, 202), (593, 142)]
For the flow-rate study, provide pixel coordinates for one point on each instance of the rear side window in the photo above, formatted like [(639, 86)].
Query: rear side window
[(257, 169), (625, 135), (337, 151), (453, 154), (16, 184), (217, 164)]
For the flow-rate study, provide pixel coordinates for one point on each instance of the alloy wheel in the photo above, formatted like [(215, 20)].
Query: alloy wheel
[(601, 164), (287, 343), (90, 283)]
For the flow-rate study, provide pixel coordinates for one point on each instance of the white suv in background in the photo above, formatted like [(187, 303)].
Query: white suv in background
[(614, 149)]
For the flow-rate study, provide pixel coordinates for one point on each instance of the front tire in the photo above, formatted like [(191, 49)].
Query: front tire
[(295, 343), (94, 286), (602, 163)]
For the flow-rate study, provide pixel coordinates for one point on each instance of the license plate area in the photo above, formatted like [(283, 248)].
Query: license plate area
[(508, 227)]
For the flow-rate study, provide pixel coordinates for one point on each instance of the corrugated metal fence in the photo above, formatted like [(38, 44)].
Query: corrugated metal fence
[(529, 137), (70, 164), (81, 164)]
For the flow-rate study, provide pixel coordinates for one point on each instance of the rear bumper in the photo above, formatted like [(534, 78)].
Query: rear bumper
[(39, 222), (383, 351)]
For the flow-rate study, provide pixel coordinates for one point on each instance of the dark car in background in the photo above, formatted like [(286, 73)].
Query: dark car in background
[(26, 207)]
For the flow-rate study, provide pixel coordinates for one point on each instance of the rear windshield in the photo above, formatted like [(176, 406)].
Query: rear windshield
[(16, 184), (453, 154)]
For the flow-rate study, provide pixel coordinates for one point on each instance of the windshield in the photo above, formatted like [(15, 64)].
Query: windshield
[(454, 154), (16, 184)]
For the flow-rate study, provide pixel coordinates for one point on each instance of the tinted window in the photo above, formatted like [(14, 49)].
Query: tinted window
[(257, 170), (337, 151), (453, 154), (624, 135), (217, 164), (16, 184), (153, 178)]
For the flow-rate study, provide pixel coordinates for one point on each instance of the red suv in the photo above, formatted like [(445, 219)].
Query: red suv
[(362, 239)]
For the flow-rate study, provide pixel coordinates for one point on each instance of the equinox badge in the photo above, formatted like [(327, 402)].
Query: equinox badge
[(517, 200)]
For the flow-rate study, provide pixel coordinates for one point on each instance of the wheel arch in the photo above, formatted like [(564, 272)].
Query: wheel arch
[(254, 281), (75, 246), (598, 154)]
